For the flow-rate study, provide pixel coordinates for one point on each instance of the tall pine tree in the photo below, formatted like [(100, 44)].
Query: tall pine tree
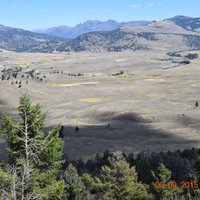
[(74, 186), (34, 157), (118, 181)]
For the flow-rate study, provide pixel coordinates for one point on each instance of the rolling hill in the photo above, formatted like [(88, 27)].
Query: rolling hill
[(25, 41), (161, 34), (178, 33)]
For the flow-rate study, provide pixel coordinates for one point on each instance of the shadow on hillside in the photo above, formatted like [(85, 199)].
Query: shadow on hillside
[(127, 132), (188, 121), (2, 143)]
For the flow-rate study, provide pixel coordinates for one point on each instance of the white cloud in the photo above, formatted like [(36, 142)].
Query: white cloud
[(136, 5), (153, 4)]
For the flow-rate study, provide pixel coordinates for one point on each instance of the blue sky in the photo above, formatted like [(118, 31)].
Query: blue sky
[(36, 14)]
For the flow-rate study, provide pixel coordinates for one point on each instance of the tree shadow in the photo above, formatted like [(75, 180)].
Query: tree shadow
[(127, 132), (188, 121), (3, 155)]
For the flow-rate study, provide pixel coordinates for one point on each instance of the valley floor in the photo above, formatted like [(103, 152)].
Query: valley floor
[(132, 101)]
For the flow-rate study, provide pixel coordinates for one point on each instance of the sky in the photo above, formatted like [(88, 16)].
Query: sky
[(41, 14)]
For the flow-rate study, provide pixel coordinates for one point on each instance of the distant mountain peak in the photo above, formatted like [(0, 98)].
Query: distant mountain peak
[(188, 23), (59, 27), (89, 26), (90, 21), (110, 20), (180, 17)]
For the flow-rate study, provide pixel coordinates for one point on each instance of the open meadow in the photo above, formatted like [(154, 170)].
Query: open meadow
[(132, 101)]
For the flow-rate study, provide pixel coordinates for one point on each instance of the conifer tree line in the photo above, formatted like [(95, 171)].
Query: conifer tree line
[(35, 168)]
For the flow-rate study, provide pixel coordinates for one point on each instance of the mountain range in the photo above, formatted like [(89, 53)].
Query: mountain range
[(25, 41), (176, 33), (88, 26)]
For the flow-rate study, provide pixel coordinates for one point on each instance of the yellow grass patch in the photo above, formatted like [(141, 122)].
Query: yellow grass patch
[(120, 60), (43, 61), (127, 76), (194, 138), (73, 84), (23, 63), (155, 80), (92, 100), (154, 95)]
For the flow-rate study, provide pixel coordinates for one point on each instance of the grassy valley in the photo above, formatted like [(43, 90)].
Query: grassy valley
[(133, 98), (107, 115)]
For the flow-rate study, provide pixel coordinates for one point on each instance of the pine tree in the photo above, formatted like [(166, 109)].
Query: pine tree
[(88, 181), (5, 185), (165, 189), (118, 181), (34, 157), (74, 187)]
